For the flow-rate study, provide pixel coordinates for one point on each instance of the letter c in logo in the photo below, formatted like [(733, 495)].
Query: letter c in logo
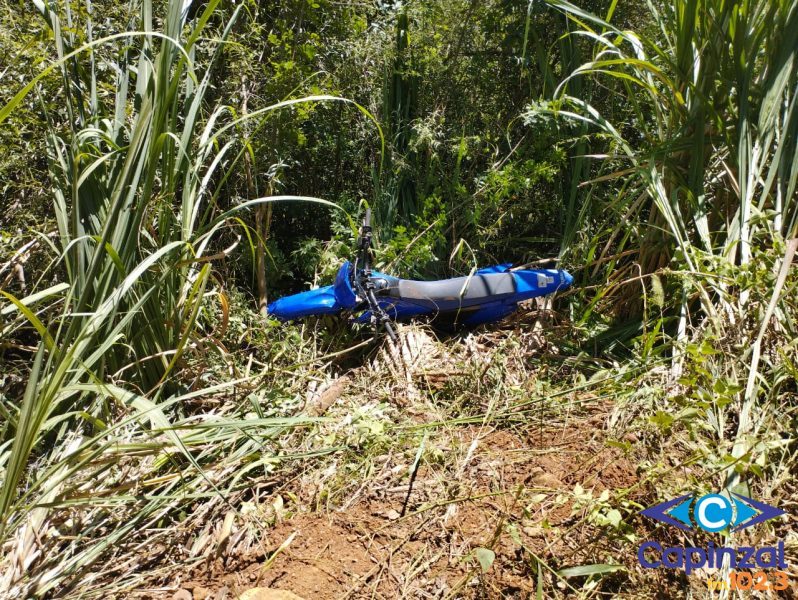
[(713, 512), (641, 554)]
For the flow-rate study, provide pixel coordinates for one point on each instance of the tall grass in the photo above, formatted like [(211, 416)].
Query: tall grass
[(138, 166), (706, 164), (395, 186)]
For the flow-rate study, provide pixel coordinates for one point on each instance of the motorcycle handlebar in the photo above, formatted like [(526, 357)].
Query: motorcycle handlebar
[(380, 315), (365, 285)]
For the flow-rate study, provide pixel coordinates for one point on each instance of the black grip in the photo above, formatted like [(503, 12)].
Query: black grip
[(379, 314)]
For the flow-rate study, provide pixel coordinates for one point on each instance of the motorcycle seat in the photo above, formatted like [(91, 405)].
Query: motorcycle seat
[(457, 292)]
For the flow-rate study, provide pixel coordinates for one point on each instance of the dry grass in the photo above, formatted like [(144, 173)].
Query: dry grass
[(460, 451)]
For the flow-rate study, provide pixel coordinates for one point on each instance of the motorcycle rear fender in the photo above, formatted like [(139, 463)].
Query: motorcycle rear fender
[(531, 283)]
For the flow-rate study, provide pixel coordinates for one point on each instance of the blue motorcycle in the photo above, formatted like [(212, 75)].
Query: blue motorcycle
[(486, 296)]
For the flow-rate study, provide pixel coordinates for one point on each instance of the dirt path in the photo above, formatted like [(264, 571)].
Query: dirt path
[(450, 484), (481, 528)]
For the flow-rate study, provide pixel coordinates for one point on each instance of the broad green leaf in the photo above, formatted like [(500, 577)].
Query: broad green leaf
[(485, 557)]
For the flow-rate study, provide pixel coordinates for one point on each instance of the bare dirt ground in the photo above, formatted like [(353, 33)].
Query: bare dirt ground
[(511, 495), (460, 491)]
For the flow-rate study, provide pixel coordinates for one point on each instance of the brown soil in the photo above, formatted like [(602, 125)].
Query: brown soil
[(395, 541)]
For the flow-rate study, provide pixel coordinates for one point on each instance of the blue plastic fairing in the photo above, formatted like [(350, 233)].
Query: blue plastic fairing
[(325, 300), (502, 268), (464, 299), (540, 282), (320, 301), (343, 288)]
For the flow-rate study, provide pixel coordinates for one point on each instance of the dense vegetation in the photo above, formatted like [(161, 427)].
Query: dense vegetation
[(167, 170)]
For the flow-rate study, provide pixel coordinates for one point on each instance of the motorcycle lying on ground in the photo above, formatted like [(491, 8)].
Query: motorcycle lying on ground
[(486, 296)]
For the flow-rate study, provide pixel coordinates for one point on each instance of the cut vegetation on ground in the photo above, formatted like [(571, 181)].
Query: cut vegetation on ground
[(168, 168)]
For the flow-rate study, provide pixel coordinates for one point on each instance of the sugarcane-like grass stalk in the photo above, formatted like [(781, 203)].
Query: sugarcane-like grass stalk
[(136, 192), (710, 175)]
